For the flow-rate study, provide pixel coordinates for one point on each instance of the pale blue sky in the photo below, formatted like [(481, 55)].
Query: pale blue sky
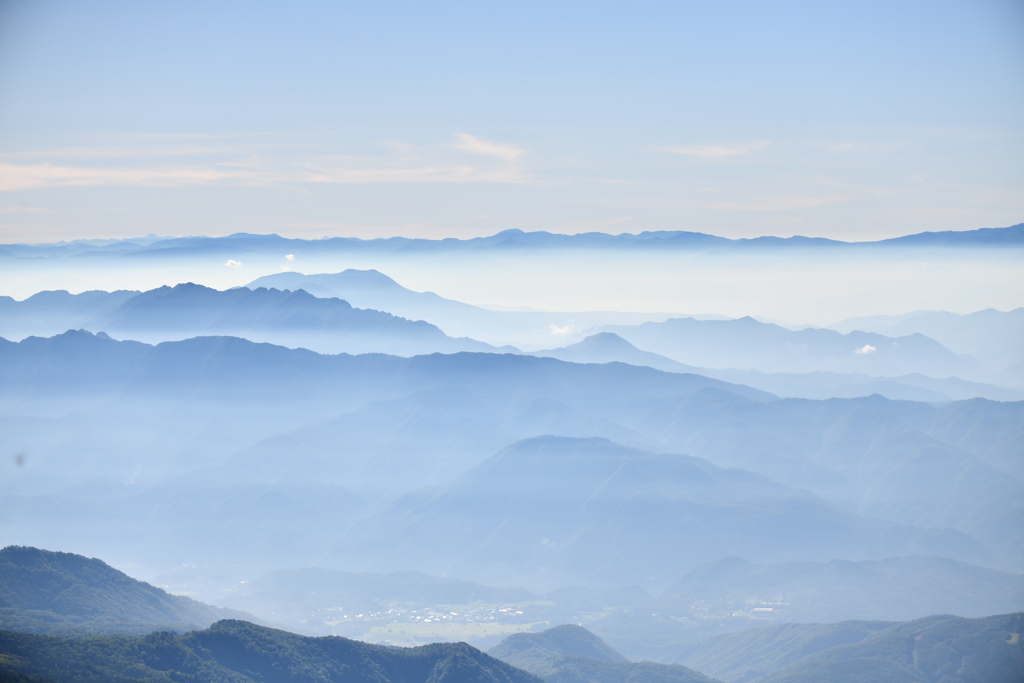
[(852, 121)]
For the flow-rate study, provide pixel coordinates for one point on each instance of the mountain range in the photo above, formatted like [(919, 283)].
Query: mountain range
[(994, 337), (291, 449), (388, 318), (295, 319), (608, 347), (171, 247)]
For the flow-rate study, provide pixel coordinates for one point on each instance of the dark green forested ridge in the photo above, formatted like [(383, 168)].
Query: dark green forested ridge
[(240, 652), (63, 593), (572, 654)]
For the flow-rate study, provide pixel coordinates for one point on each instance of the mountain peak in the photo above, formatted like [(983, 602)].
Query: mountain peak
[(561, 641)]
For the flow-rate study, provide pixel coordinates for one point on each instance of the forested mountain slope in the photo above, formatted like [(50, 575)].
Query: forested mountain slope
[(63, 593)]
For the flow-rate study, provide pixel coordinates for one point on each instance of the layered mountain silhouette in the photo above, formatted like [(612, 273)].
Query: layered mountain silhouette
[(372, 289), (607, 347), (63, 593), (389, 318), (268, 315), (293, 448)]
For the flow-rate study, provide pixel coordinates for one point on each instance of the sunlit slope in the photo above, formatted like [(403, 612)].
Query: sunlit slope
[(63, 593)]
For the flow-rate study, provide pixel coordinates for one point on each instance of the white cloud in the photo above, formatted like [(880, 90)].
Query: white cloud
[(26, 177), (561, 331), (289, 257), (474, 145), (13, 209), (718, 152), (867, 348), (233, 263)]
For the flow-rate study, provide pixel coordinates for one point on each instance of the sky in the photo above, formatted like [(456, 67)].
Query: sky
[(853, 121)]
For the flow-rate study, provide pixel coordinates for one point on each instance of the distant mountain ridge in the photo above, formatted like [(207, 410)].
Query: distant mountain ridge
[(994, 337), (373, 289), (1012, 236), (62, 593), (746, 343)]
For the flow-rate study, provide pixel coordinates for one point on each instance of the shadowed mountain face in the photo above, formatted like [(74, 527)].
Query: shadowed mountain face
[(749, 344), (62, 593), (571, 653), (278, 448), (242, 652), (930, 650), (551, 510), (295, 319), (269, 315)]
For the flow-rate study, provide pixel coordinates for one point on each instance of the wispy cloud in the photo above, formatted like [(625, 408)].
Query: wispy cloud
[(441, 173), (866, 349), (474, 145), (398, 163), (782, 203), (231, 263), (15, 177), (8, 209), (718, 152)]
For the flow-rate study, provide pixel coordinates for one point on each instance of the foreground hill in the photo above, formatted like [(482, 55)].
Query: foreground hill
[(572, 654), (938, 649), (63, 593), (241, 652)]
